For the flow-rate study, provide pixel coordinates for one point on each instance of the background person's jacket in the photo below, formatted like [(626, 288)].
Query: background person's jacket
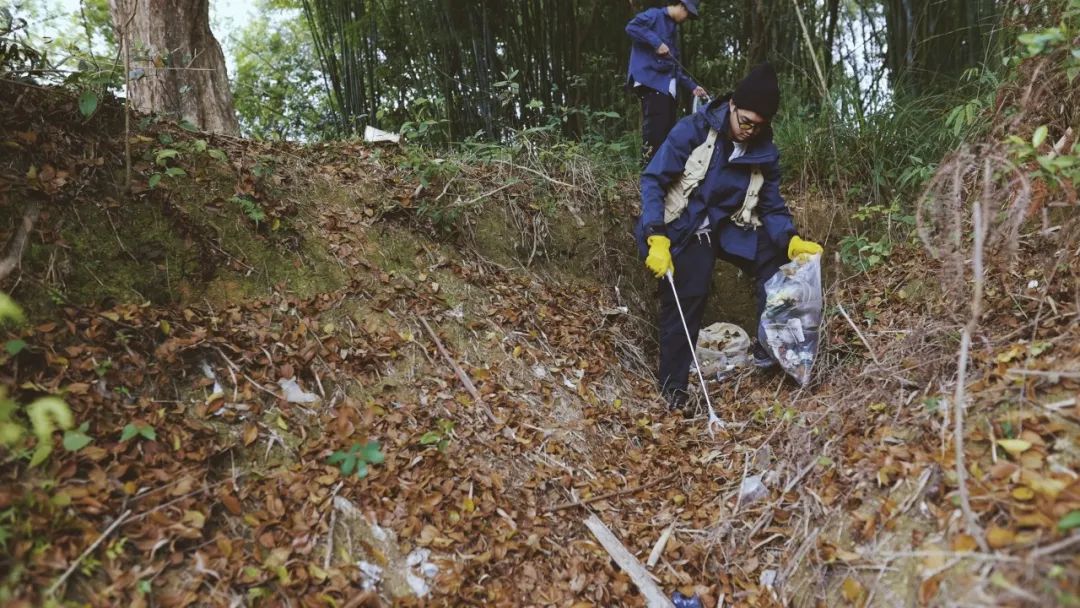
[(648, 29), (720, 194)]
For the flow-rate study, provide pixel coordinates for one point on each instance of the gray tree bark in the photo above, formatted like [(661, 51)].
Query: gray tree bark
[(183, 68)]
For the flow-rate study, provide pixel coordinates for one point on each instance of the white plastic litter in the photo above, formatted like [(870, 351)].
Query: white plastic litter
[(722, 347), (371, 575), (295, 394), (752, 490), (209, 373), (420, 572), (793, 310), (373, 135), (768, 577)]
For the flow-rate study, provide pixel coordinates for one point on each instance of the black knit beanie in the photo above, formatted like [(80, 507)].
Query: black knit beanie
[(759, 92)]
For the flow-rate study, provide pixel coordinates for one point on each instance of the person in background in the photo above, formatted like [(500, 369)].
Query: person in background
[(713, 191), (655, 70)]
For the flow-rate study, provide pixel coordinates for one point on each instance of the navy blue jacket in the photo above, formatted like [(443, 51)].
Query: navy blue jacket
[(720, 193), (648, 30)]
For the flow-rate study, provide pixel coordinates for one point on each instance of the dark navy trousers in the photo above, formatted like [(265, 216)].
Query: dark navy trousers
[(657, 119), (693, 279)]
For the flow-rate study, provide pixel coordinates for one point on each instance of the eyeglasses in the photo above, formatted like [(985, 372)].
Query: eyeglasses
[(746, 124)]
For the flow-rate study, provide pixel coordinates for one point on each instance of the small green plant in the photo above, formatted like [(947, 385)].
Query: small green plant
[(1056, 168), (357, 458), (162, 157), (859, 250), (45, 414), (77, 439), (251, 208), (440, 436), (138, 429)]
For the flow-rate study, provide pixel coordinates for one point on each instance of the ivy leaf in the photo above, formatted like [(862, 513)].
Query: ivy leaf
[(175, 172), (41, 453), (361, 469), (187, 125), (430, 437), (130, 430), (88, 102), (1039, 136), (143, 430), (217, 155), (165, 154), (77, 439), (154, 180), (1070, 521), (14, 347)]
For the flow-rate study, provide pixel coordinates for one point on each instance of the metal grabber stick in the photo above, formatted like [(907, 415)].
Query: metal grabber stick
[(714, 420)]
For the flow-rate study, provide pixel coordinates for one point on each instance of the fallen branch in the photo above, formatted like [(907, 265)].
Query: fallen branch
[(75, 564), (658, 548), (1052, 375), (535, 172), (333, 523), (654, 596), (960, 399), (858, 333), (592, 499), (469, 386), (17, 242)]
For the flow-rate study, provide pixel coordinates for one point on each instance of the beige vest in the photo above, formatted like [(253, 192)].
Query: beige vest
[(697, 164)]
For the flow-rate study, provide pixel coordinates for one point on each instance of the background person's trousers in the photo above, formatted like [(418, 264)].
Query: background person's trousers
[(657, 119), (693, 278)]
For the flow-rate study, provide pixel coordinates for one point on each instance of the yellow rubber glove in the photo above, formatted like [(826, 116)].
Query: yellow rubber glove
[(659, 258), (798, 246)]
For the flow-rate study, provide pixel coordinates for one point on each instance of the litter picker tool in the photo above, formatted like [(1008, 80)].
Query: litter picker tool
[(714, 420)]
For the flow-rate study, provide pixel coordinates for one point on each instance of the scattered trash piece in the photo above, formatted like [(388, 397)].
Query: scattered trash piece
[(768, 577), (375, 136), (295, 394), (789, 323), (752, 490), (682, 601), (420, 572), (218, 391), (371, 575)]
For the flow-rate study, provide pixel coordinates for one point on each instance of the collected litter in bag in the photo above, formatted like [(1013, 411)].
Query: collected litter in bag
[(792, 316), (722, 347)]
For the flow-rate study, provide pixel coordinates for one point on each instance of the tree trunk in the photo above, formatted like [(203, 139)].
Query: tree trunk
[(183, 68)]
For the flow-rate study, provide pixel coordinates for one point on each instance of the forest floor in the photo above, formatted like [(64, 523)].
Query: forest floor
[(493, 371)]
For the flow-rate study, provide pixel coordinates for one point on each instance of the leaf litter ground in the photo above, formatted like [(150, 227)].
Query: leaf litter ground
[(227, 496)]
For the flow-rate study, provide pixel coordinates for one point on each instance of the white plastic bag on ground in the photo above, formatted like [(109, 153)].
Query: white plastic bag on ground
[(721, 347), (793, 310)]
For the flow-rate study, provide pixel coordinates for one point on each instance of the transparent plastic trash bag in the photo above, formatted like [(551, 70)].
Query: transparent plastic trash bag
[(789, 324)]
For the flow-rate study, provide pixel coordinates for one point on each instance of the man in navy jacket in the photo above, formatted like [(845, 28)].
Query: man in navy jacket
[(695, 208), (654, 69)]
